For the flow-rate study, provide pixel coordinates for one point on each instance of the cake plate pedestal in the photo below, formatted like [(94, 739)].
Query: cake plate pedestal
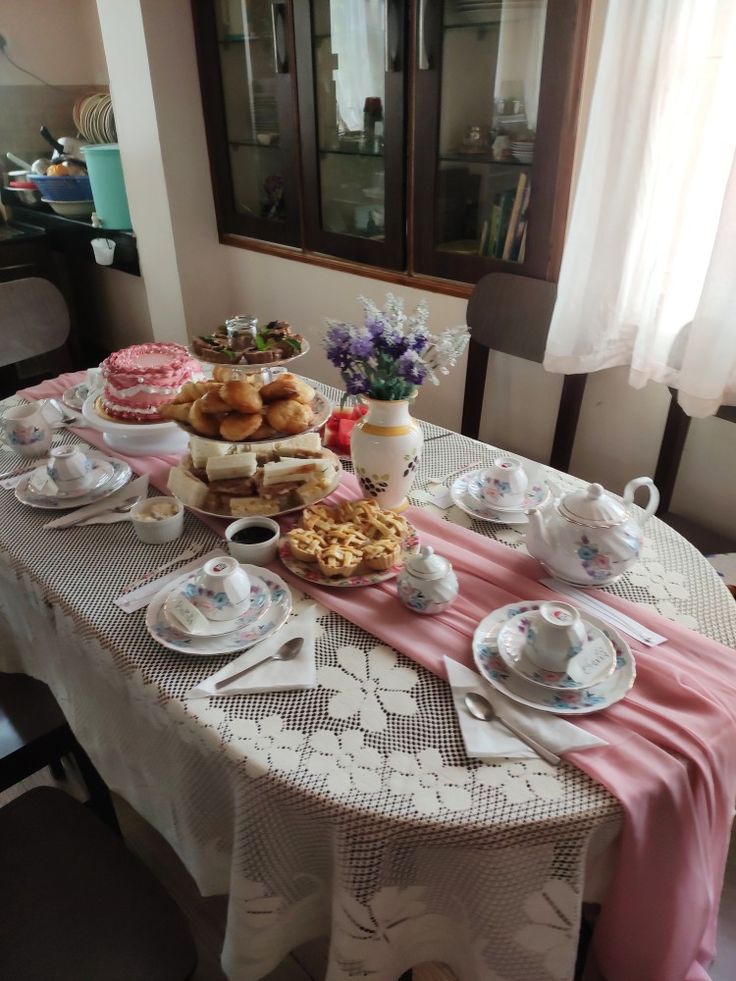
[(135, 439)]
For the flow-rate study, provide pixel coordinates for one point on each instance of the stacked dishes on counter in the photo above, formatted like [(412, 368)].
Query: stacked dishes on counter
[(94, 118), (69, 195)]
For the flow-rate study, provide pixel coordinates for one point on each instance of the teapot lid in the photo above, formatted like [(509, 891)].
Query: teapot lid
[(426, 565), (593, 506)]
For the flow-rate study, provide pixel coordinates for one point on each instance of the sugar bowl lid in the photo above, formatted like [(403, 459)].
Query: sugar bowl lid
[(425, 564), (594, 506)]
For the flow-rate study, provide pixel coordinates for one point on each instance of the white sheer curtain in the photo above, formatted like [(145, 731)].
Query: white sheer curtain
[(648, 275), (520, 44), (357, 40)]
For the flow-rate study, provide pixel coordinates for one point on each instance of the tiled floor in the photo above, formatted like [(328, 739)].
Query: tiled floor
[(207, 915)]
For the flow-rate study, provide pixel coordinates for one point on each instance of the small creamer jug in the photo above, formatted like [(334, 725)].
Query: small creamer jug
[(427, 583)]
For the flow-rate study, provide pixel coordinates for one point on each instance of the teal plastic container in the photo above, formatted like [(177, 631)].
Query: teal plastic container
[(108, 187)]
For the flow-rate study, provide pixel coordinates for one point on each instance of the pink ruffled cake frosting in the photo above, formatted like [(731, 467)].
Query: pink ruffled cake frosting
[(140, 379)]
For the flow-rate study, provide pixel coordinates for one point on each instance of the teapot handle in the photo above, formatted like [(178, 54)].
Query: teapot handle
[(653, 503)]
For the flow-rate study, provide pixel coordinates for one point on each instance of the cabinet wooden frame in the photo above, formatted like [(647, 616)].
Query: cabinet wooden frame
[(388, 253), (565, 40), (229, 219), (408, 253)]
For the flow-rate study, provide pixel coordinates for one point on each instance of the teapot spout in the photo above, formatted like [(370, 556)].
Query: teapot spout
[(538, 539)]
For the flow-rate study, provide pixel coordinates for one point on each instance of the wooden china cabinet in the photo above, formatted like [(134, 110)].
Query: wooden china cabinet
[(418, 141)]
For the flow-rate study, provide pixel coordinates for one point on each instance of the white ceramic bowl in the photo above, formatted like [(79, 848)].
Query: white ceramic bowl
[(71, 209), (253, 553), (155, 530)]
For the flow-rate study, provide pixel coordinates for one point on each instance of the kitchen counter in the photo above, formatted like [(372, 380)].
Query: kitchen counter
[(68, 235)]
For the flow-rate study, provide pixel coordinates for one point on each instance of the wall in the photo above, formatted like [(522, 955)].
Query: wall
[(620, 428), (62, 44)]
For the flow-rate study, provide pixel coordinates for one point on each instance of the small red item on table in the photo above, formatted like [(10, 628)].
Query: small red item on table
[(339, 427)]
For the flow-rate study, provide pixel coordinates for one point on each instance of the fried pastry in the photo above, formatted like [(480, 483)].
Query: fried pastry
[(289, 416), (212, 404), (285, 386), (237, 427), (241, 396), (201, 422), (176, 410), (264, 431)]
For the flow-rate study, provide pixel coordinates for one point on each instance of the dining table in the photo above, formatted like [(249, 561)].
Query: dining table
[(350, 809)]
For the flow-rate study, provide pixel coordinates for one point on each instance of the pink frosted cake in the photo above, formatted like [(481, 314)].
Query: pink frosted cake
[(139, 379)]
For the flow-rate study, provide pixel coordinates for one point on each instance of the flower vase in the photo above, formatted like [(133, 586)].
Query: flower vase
[(386, 445)]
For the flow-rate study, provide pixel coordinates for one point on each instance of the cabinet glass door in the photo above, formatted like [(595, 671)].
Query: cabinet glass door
[(255, 178), (351, 104), (486, 112)]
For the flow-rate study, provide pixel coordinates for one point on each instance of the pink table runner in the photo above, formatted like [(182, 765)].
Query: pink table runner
[(671, 753)]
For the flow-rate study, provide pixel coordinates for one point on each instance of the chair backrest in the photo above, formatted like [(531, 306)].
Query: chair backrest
[(34, 319), (512, 314)]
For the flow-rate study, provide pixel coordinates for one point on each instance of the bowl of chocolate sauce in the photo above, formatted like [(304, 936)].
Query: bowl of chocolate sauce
[(253, 540)]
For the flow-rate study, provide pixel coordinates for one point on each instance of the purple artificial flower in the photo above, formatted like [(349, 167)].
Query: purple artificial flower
[(361, 344), (355, 383), (337, 344), (417, 340), (410, 368), (376, 325)]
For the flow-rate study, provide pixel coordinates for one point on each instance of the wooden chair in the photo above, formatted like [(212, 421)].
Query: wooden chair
[(34, 321), (511, 314), (671, 449), (34, 734), (76, 904)]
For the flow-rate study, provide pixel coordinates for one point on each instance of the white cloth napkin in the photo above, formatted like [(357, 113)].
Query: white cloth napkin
[(136, 488), (299, 673), (492, 740)]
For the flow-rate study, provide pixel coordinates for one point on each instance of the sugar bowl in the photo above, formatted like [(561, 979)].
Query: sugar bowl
[(427, 583)]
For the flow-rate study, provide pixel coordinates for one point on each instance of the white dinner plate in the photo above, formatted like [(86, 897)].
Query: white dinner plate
[(569, 702), (239, 639), (119, 478), (260, 603)]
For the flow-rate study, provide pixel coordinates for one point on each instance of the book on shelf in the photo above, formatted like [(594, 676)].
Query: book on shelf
[(483, 239), (506, 204), (515, 215), (494, 224), (516, 252)]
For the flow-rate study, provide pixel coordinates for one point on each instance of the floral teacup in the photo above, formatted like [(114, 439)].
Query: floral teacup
[(27, 429), (222, 591), (504, 483), (70, 469), (557, 635)]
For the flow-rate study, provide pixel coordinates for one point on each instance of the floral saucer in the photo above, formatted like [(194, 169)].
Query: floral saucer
[(260, 603), (562, 702), (239, 639), (102, 473), (73, 398), (466, 493), (121, 474), (597, 654)]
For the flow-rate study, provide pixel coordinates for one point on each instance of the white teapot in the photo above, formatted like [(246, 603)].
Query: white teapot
[(589, 537)]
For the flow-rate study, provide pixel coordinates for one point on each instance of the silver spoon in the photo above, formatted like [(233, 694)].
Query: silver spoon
[(286, 652), (480, 708)]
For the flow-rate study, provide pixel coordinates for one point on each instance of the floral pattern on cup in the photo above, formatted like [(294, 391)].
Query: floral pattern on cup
[(26, 435)]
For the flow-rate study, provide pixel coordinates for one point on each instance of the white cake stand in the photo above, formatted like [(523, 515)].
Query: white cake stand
[(135, 439)]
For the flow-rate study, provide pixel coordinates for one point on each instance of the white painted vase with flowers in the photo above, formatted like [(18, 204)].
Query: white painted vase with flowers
[(384, 361)]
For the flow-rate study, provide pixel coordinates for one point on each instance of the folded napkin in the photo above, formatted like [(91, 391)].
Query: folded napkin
[(492, 740), (106, 518), (301, 672), (136, 488)]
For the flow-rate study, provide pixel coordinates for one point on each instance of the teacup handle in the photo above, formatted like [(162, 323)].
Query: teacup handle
[(632, 487)]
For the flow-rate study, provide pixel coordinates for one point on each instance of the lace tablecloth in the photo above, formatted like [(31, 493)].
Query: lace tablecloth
[(349, 810)]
